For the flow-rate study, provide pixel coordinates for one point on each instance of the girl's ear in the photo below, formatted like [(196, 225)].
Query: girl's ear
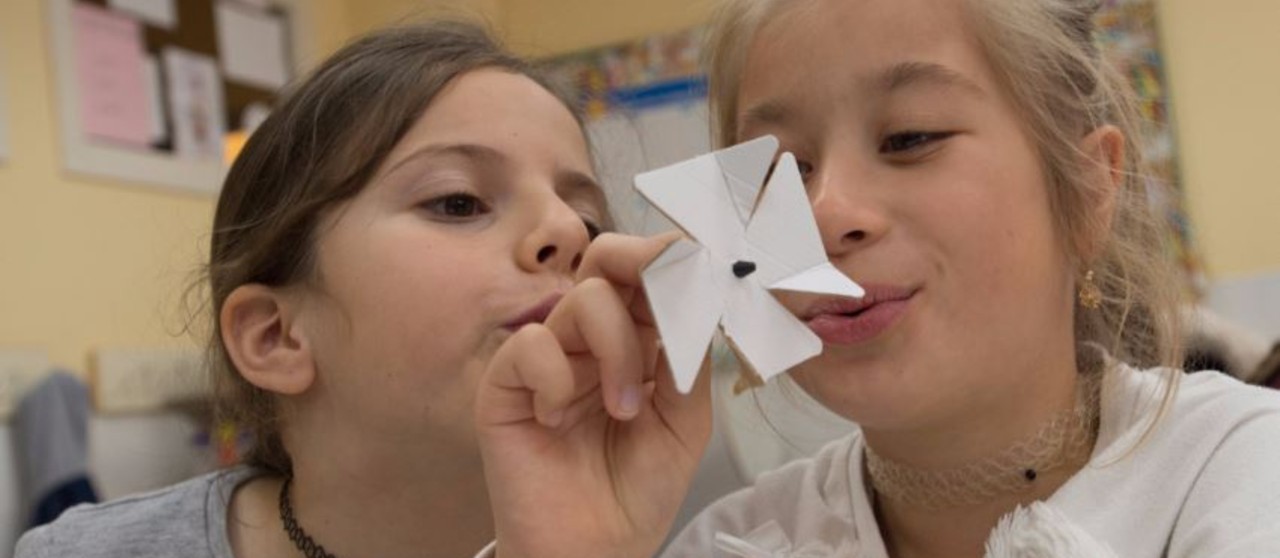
[(260, 331), (1104, 165)]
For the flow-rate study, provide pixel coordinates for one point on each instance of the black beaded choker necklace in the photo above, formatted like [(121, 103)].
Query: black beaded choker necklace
[(309, 547)]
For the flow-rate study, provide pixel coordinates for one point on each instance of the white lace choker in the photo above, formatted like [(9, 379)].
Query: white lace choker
[(1066, 438)]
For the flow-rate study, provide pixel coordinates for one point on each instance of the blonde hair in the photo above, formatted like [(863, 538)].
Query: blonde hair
[(1045, 57)]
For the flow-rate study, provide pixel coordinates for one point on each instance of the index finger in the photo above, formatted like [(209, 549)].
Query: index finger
[(620, 259)]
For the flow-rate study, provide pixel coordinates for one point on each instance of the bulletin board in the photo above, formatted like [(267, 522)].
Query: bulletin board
[(148, 89)]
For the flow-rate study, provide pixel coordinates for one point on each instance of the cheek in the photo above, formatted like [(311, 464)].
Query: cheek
[(426, 306), (408, 303), (991, 223)]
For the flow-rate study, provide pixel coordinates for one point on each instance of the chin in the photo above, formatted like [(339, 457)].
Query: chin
[(865, 390)]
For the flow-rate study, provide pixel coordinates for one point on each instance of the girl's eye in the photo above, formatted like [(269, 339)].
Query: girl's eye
[(457, 206), (910, 141), (805, 168), (593, 230)]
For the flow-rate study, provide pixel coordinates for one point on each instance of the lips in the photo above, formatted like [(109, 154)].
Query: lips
[(841, 321), (536, 314)]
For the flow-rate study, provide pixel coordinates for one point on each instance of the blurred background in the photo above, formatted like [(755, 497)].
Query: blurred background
[(117, 119)]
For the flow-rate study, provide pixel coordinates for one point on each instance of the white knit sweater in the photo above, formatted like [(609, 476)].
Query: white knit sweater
[(1205, 483)]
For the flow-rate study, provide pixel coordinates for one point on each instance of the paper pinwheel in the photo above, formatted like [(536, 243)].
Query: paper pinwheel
[(748, 242)]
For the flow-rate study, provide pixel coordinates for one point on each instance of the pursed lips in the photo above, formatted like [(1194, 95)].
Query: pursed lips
[(852, 307), (854, 321), (536, 314)]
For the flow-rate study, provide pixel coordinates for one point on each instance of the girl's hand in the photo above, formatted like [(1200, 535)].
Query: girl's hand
[(588, 447)]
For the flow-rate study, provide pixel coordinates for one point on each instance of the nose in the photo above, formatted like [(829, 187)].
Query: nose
[(848, 214), (557, 239)]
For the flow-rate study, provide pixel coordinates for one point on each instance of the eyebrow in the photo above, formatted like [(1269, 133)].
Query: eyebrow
[(764, 114), (474, 152), (572, 183), (908, 74), (900, 76)]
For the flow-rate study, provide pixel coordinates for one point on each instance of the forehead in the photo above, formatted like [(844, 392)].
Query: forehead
[(507, 112), (820, 45)]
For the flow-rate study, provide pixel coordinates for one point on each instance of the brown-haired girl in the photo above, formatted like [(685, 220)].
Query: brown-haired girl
[(972, 163), (418, 198)]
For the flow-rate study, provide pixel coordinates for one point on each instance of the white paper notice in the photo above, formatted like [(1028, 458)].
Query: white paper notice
[(195, 104), (160, 13), (251, 43), (155, 92), (110, 75)]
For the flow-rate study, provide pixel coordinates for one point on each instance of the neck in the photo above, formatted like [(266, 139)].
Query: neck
[(946, 487), (987, 423), (362, 492), (439, 506), (396, 516)]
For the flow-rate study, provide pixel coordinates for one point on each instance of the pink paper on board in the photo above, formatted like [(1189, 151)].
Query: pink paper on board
[(110, 76)]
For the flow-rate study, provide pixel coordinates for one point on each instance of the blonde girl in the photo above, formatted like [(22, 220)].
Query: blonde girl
[(973, 164)]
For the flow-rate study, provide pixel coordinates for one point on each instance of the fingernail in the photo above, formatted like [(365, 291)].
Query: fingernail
[(629, 403), (554, 418)]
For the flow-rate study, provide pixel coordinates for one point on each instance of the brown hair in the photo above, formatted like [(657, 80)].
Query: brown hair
[(1045, 56), (319, 147)]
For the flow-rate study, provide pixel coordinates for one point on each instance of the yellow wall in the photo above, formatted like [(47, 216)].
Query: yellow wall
[(1225, 81), (82, 263), (363, 15), (542, 27), (321, 26), (88, 263), (556, 26)]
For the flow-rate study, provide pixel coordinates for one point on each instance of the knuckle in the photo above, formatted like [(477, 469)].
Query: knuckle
[(593, 287), (603, 244), (530, 337)]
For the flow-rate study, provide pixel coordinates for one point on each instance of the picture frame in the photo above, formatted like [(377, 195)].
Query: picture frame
[(82, 156), (161, 163)]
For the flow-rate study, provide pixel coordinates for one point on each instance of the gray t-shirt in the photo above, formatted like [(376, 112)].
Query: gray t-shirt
[(186, 519)]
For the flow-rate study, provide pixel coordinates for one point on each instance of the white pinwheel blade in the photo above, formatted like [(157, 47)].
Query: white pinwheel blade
[(693, 195), (711, 197), (820, 279), (782, 235), (745, 166), (765, 333), (687, 305)]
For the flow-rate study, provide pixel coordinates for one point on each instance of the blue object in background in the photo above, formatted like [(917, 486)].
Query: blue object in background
[(51, 426)]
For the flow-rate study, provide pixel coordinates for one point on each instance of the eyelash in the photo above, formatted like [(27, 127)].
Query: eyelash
[(440, 206), (899, 144), (906, 142), (803, 166), (593, 230)]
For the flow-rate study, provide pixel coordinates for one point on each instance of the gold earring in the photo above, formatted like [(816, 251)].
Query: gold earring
[(1090, 294)]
